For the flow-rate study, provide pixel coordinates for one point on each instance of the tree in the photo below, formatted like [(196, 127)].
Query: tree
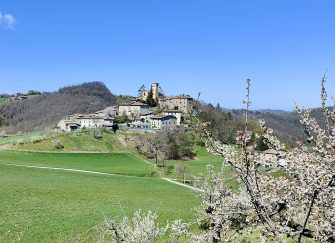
[(151, 101), (115, 127), (182, 171), (142, 228), (141, 90), (301, 203), (155, 146), (33, 92), (261, 145)]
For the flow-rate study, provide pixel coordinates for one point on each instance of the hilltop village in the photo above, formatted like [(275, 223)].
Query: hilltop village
[(151, 110)]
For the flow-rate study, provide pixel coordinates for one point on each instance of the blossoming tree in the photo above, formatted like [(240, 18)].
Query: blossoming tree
[(298, 204)]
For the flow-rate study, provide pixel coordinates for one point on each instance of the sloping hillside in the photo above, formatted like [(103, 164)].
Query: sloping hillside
[(286, 125), (44, 111)]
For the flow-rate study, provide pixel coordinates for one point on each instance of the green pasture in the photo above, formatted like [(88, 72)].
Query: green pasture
[(76, 141), (39, 205), (4, 101), (116, 163), (23, 137)]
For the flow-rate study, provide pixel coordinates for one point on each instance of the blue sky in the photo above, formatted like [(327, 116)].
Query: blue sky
[(188, 46)]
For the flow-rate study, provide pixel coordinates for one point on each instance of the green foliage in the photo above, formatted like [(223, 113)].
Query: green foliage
[(123, 119), (123, 99), (177, 144), (261, 146), (151, 101), (141, 90), (33, 92)]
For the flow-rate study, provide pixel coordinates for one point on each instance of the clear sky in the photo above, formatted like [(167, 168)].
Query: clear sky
[(188, 46)]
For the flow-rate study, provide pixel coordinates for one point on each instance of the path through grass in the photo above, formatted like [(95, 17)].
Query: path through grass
[(52, 206)]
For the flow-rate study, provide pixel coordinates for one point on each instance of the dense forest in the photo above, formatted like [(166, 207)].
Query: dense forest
[(45, 110)]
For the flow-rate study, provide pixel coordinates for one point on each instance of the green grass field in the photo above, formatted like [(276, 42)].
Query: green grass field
[(24, 137), (198, 166), (4, 101), (55, 206), (202, 159), (78, 141), (59, 206), (116, 163)]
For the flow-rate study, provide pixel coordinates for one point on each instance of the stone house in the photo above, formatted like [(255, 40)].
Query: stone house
[(177, 114), (164, 122), (93, 121), (68, 125), (183, 103), (133, 109)]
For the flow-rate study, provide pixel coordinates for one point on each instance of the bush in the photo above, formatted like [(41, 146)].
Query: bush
[(37, 139), (57, 144), (97, 134)]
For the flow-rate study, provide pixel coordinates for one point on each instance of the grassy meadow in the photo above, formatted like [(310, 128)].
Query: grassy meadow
[(23, 137), (4, 101), (116, 163), (77, 141), (39, 205), (44, 205)]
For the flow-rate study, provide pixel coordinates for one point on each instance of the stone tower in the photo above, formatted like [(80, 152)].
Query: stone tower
[(154, 90)]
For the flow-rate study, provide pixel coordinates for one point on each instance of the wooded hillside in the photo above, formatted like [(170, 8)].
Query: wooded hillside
[(44, 111)]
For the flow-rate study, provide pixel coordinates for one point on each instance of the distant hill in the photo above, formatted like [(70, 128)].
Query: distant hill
[(44, 111), (285, 125), (271, 111)]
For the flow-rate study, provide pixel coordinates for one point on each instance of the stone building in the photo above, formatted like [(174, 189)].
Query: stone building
[(182, 103), (176, 114), (163, 122), (133, 109), (154, 90), (68, 125)]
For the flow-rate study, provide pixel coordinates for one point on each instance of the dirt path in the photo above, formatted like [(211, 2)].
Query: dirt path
[(94, 173), (181, 184), (66, 169), (5, 147)]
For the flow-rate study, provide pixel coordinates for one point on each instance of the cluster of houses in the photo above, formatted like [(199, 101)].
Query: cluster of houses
[(18, 96), (168, 114)]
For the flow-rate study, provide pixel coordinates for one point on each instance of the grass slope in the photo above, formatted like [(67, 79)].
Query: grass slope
[(4, 101), (199, 164), (52, 206), (24, 137), (78, 141), (116, 163)]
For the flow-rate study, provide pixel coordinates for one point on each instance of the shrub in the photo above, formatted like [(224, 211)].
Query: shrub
[(57, 144), (37, 139), (97, 134)]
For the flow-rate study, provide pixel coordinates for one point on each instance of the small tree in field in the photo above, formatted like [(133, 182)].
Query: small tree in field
[(155, 146)]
